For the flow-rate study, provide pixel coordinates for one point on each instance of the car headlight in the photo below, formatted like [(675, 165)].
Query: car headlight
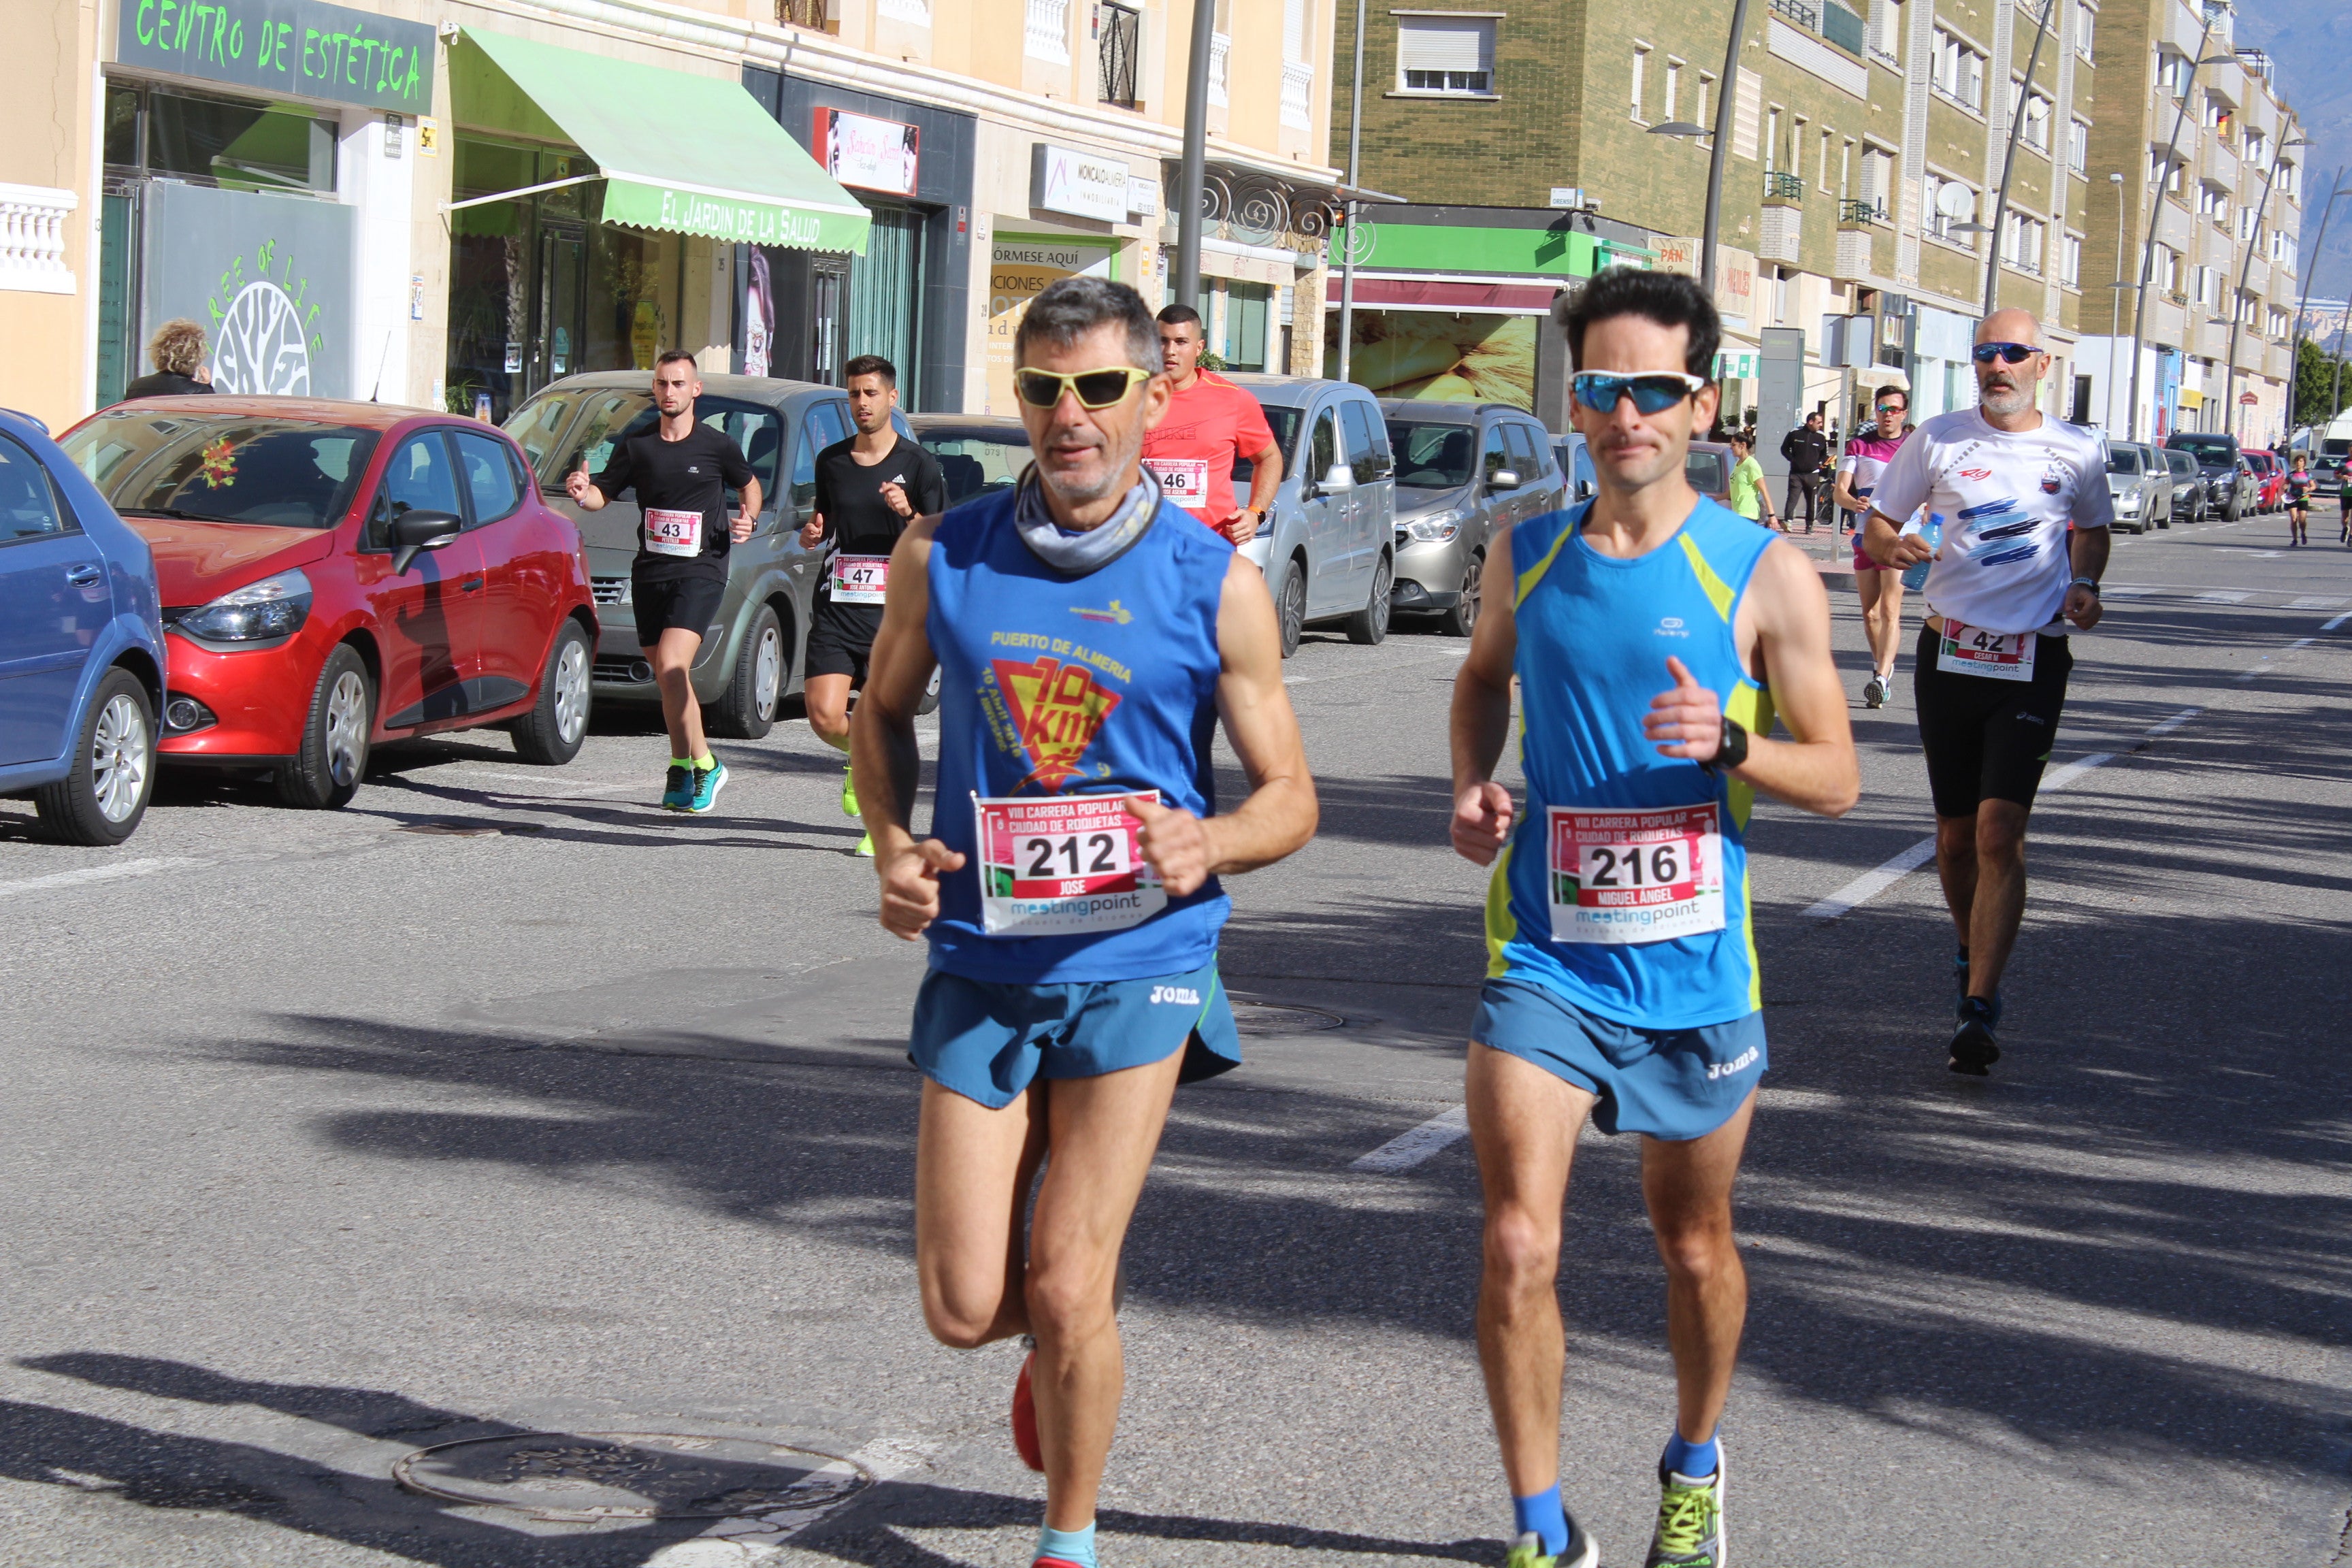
[(1435, 528), (259, 612)]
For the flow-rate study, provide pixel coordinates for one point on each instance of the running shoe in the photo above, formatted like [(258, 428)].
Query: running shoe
[(707, 782), (1024, 1414), (1053, 1562), (677, 794), (1974, 1050), (1690, 1520), (864, 850), (1527, 1551), (849, 793), (1873, 692)]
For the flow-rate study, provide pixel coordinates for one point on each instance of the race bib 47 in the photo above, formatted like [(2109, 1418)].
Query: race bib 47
[(1636, 874), (860, 579), (1064, 864), (1997, 655), (670, 532)]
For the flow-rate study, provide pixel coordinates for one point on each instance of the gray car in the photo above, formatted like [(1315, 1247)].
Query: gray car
[(751, 657), (1464, 471), (979, 454), (2189, 489), (2229, 483), (1326, 543), (2139, 482)]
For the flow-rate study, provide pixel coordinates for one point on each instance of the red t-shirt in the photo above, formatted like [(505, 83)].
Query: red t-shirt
[(1192, 450)]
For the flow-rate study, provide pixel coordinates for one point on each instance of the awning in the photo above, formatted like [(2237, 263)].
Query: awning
[(677, 151)]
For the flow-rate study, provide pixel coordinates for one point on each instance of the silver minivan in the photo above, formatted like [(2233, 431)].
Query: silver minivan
[(1465, 470), (1326, 545)]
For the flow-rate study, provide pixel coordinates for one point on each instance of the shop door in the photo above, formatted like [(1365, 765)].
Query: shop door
[(563, 317), (883, 313), (828, 294)]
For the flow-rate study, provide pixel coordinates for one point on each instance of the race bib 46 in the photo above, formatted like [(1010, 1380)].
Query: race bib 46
[(1634, 875), (1184, 481), (1064, 864)]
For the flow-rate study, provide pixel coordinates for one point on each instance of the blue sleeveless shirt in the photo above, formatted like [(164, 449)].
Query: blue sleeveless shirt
[(1054, 685), (1594, 633)]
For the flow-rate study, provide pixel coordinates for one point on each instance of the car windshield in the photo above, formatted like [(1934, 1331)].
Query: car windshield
[(222, 468), (977, 460), (1284, 423), (1434, 457), (2210, 452), (611, 414), (2182, 465), (2122, 460)]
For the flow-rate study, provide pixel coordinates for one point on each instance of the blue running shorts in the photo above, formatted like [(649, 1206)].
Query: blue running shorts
[(1675, 1084), (988, 1040)]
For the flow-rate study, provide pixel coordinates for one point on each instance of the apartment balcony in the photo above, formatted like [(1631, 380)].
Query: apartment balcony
[(1852, 263), (2167, 318), (1046, 33), (1298, 95), (2221, 164), (2258, 277), (2174, 226), (32, 223), (1784, 218)]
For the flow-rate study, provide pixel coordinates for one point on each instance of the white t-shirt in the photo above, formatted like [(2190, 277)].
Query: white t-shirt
[(2007, 500)]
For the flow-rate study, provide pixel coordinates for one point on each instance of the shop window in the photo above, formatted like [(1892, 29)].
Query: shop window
[(1248, 309), (242, 146)]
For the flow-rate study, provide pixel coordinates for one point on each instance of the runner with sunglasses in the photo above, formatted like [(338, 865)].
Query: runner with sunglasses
[(2027, 510), (1090, 638), (1210, 423), (1866, 457), (1623, 982)]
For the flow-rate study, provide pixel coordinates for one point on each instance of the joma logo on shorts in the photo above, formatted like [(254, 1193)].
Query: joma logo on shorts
[(1737, 1064), (1178, 993)]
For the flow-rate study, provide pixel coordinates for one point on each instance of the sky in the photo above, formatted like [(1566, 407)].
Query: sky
[(2310, 46)]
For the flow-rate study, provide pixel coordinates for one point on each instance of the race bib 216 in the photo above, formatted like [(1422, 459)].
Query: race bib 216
[(1635, 875)]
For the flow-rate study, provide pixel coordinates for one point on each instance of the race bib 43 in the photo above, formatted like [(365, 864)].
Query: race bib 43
[(860, 579), (1184, 481), (1634, 875), (1062, 864), (670, 532), (1997, 655)]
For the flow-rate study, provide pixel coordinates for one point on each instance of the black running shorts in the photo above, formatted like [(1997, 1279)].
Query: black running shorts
[(689, 604), (841, 638), (1987, 738)]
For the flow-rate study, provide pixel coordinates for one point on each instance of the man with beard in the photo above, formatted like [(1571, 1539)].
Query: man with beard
[(2026, 508), (1090, 638)]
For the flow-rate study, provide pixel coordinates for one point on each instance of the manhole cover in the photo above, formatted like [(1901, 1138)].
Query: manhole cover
[(468, 829), (582, 1477), (1271, 1018)]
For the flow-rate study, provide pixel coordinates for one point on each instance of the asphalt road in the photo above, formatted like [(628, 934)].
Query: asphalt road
[(503, 1103)]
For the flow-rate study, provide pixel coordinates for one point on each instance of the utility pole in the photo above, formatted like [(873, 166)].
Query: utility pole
[(2294, 339), (2116, 302), (2155, 212), (1347, 249), (1727, 97), (2237, 300), (1195, 168), (2008, 158)]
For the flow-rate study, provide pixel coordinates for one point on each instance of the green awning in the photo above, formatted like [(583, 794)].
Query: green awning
[(685, 154)]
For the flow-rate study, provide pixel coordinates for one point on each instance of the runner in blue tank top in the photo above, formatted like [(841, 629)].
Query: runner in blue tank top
[(1089, 637), (1622, 981)]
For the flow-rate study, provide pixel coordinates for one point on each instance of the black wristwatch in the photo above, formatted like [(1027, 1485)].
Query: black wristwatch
[(1731, 752)]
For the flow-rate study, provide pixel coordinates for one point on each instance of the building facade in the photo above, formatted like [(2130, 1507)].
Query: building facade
[(2226, 206)]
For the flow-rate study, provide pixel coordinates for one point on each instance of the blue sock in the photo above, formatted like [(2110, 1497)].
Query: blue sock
[(1543, 1514), (1696, 1460), (1070, 1545)]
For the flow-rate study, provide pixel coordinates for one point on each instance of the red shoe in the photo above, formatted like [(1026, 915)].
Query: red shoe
[(1024, 1434), (1053, 1562)]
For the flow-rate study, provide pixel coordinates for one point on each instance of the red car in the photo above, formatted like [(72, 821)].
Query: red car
[(2270, 479), (337, 574)]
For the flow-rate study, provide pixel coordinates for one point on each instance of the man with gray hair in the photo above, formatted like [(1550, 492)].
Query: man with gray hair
[(2024, 505), (1088, 638)]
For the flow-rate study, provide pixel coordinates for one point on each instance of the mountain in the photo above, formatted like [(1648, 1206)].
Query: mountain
[(2308, 42)]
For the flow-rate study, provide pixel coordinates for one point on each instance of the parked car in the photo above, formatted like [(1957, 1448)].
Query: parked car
[(1575, 460), (1326, 545), (751, 658), (2188, 487), (1708, 468), (338, 575), (2270, 479), (81, 646), (2141, 485), (979, 454), (1463, 470), (2229, 480)]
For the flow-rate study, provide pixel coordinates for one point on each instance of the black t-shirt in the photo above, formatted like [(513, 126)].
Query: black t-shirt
[(1806, 449), (165, 384), (682, 490), (850, 495)]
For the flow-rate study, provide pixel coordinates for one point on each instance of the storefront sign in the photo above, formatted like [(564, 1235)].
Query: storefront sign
[(1083, 185), (871, 154), (268, 278), (1734, 272), (1018, 272), (296, 47)]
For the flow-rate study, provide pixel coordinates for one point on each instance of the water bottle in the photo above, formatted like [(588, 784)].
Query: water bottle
[(1915, 577)]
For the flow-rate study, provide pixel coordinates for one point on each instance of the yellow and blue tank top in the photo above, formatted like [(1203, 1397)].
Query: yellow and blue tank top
[(1594, 633), (1051, 685)]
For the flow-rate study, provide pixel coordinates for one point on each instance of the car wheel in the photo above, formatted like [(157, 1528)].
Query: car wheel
[(326, 773), (1290, 610), (551, 734), (747, 709), (1462, 618), (1370, 624), (930, 702), (101, 801)]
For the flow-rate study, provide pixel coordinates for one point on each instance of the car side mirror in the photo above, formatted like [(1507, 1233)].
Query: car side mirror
[(1503, 480), (414, 530), (1584, 489), (1340, 478)]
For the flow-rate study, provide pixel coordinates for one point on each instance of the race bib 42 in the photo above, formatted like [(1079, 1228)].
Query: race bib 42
[(1064, 864), (670, 532), (1997, 655), (1634, 875)]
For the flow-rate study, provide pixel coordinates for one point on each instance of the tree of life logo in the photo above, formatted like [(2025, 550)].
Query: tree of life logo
[(263, 340)]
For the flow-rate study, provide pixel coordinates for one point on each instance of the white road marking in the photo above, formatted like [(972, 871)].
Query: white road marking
[(2157, 732), (2074, 770), (1409, 1148), (756, 1541), (1378, 670), (2320, 603), (2338, 621), (2268, 555), (1870, 884), (2125, 592), (2301, 642), (147, 868), (2223, 597)]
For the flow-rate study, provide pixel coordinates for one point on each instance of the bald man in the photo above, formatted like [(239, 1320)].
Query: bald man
[(2025, 510)]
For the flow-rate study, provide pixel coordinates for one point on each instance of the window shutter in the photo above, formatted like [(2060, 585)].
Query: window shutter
[(1294, 29), (1440, 44)]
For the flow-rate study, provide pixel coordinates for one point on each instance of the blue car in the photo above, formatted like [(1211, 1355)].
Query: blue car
[(81, 646)]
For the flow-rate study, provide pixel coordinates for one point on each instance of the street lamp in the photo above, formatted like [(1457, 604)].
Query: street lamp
[(1726, 85), (2156, 207), (2115, 306), (2237, 300)]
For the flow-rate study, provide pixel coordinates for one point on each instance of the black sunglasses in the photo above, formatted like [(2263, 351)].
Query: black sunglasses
[(2014, 353)]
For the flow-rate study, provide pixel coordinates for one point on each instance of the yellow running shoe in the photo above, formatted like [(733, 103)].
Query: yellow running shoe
[(849, 793)]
